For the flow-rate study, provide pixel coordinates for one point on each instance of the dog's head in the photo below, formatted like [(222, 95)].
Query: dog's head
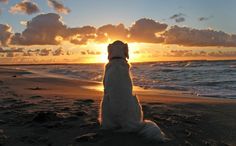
[(118, 49)]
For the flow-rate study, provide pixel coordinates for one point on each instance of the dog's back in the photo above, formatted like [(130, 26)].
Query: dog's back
[(124, 110), (117, 77)]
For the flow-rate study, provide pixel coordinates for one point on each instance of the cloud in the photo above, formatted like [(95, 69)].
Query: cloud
[(4, 1), (204, 18), (58, 52), (5, 34), (146, 30), (80, 35), (191, 53), (25, 6), (45, 52), (222, 54), (112, 32), (178, 17), (12, 52), (193, 37), (179, 53), (90, 52), (58, 7), (15, 52), (43, 29), (49, 29)]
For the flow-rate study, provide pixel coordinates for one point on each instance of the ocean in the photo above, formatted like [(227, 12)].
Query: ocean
[(201, 78)]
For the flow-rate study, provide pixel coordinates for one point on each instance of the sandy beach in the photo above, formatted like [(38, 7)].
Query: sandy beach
[(46, 110)]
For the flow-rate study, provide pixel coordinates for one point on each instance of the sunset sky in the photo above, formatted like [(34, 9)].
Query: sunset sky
[(78, 31)]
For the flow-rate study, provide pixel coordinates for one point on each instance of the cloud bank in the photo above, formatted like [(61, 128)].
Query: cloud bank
[(193, 37), (14, 52), (191, 53), (26, 7), (49, 29)]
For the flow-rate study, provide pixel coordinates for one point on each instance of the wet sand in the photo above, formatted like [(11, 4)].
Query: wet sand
[(46, 110)]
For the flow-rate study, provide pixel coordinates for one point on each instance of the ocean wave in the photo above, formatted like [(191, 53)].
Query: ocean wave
[(213, 83), (203, 78)]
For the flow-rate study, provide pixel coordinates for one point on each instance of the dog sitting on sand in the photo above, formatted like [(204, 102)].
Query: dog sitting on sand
[(120, 109)]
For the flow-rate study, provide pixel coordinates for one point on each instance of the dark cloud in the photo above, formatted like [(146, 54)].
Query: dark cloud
[(45, 52), (4, 1), (179, 53), (178, 17), (12, 52), (112, 32), (58, 7), (5, 34), (25, 6), (204, 18), (41, 30), (58, 52), (193, 37), (145, 30), (222, 54), (191, 53), (90, 52), (85, 30), (18, 50), (80, 35)]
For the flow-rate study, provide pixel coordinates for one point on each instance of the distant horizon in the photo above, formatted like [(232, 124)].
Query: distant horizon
[(86, 63)]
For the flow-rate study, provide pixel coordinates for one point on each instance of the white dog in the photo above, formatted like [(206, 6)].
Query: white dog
[(120, 110)]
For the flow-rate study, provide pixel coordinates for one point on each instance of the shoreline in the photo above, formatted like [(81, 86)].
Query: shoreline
[(46, 110), (104, 63), (99, 87)]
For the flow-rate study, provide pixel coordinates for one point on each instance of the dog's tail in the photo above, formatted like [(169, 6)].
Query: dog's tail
[(150, 131)]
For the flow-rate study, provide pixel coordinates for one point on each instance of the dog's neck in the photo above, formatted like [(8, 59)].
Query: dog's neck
[(114, 58)]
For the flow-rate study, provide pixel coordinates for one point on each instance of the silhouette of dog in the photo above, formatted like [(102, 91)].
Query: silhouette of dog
[(120, 109)]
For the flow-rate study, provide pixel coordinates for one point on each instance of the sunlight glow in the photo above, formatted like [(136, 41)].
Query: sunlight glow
[(134, 56)]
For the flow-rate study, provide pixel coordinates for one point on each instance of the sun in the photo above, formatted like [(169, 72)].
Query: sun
[(134, 52), (102, 57), (134, 56)]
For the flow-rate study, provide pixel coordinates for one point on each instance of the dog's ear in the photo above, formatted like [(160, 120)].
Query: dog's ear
[(109, 50), (126, 51)]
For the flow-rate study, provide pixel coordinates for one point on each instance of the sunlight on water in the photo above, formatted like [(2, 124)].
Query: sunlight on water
[(96, 87), (202, 78)]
